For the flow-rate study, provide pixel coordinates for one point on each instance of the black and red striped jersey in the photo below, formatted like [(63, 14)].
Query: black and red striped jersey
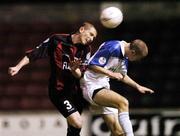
[(60, 50)]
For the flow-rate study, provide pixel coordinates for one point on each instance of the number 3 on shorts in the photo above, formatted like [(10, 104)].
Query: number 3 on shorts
[(68, 105)]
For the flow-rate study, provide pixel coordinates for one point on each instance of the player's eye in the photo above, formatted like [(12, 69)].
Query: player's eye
[(91, 34)]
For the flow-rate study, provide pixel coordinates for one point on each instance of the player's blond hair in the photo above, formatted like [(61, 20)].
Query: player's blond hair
[(88, 25)]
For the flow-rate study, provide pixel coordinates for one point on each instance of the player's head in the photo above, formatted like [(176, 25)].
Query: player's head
[(137, 50), (87, 33)]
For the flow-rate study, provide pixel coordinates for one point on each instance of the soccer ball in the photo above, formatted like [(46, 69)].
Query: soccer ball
[(111, 17)]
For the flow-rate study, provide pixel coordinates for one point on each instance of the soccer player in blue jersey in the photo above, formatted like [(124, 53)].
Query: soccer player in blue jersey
[(110, 61)]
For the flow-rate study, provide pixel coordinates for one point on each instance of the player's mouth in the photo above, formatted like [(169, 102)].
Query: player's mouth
[(88, 40)]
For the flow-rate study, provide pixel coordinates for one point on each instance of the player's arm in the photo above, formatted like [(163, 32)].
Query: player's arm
[(14, 70), (74, 67), (38, 52), (106, 72), (127, 80), (79, 66)]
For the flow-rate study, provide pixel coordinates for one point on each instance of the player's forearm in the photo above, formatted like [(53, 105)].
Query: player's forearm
[(23, 62), (127, 80), (100, 70)]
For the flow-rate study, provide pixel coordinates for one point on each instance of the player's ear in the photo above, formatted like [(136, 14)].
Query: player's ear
[(81, 29), (133, 52)]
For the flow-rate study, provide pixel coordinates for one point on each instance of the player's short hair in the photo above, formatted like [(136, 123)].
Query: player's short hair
[(139, 47), (87, 25)]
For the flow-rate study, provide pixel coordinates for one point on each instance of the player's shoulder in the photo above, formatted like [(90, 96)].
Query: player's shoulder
[(59, 37), (112, 42)]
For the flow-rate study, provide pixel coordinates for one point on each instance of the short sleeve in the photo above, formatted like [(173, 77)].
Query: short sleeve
[(101, 57)]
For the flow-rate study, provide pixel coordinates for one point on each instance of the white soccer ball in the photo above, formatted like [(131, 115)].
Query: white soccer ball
[(111, 17)]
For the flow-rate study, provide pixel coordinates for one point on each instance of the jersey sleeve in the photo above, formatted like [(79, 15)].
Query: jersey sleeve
[(40, 51), (101, 57)]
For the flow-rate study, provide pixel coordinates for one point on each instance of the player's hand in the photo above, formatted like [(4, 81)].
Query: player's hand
[(75, 64), (13, 71), (143, 89)]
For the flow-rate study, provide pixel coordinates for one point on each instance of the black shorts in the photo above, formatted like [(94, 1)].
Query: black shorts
[(67, 102)]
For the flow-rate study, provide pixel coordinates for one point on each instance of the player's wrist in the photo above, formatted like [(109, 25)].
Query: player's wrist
[(73, 68), (18, 67), (138, 87)]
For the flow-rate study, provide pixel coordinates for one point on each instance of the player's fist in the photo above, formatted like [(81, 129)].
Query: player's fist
[(75, 64), (13, 71)]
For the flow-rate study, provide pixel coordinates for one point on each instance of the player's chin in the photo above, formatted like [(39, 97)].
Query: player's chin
[(85, 42)]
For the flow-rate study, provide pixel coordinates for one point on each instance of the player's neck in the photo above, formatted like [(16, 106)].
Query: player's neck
[(126, 49), (75, 38)]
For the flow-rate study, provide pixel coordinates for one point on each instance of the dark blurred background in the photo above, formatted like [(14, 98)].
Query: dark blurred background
[(24, 25)]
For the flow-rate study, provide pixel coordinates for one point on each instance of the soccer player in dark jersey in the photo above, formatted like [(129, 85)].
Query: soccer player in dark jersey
[(66, 52)]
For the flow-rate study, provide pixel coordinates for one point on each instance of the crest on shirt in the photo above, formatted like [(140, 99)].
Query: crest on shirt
[(102, 60)]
